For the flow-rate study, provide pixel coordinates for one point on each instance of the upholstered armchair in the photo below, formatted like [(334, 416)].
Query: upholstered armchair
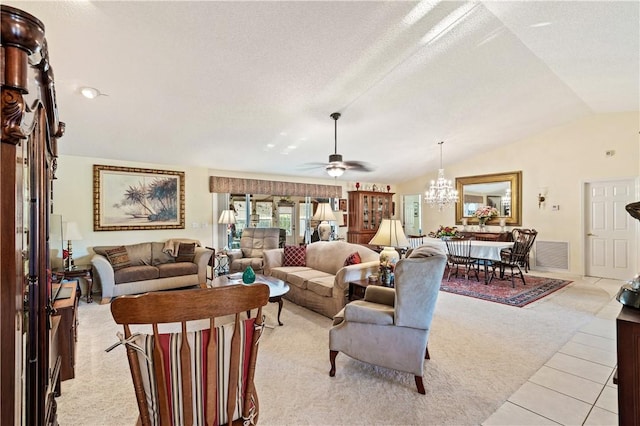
[(390, 327), (253, 243)]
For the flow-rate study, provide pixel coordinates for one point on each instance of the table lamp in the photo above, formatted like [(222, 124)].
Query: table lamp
[(228, 218), (70, 231), (390, 235), (324, 214), (339, 214)]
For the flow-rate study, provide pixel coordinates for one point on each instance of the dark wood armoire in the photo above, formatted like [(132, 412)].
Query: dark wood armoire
[(30, 130)]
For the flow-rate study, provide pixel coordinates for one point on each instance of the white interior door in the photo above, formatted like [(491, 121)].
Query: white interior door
[(611, 233), (412, 214)]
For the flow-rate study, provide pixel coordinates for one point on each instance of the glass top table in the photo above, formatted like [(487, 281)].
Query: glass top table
[(277, 287)]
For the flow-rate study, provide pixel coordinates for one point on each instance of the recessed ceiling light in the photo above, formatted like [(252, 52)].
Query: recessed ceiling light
[(291, 147), (90, 92), (540, 24), (270, 145)]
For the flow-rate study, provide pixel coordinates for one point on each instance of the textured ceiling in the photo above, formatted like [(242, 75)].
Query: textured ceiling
[(249, 86)]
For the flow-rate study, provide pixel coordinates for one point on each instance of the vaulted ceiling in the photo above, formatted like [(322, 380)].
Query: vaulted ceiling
[(249, 86)]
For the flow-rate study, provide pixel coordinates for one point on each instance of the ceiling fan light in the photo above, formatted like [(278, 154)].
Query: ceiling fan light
[(335, 171)]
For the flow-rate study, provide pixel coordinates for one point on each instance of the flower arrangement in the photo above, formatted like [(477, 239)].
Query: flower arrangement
[(486, 212), (386, 262), (444, 231), (387, 266)]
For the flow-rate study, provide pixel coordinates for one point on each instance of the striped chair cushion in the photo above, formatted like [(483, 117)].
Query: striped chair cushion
[(170, 344)]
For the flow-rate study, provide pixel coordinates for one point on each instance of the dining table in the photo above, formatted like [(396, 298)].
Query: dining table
[(485, 252)]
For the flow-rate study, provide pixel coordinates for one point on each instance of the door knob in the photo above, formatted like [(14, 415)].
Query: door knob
[(591, 235)]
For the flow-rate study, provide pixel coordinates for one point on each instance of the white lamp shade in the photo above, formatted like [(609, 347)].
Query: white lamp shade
[(390, 234), (339, 214), (324, 212), (71, 231), (227, 217)]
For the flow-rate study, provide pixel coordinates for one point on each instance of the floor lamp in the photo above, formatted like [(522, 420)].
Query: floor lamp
[(324, 214), (70, 231), (228, 218)]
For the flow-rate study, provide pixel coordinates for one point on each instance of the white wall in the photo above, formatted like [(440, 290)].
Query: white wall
[(562, 159), (73, 199)]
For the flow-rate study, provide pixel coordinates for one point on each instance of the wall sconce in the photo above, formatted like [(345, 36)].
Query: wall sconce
[(542, 196)]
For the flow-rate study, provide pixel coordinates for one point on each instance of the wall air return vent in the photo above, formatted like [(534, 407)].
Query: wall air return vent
[(552, 255)]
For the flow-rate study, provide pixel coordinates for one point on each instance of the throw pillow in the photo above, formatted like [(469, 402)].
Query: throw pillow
[(353, 259), (118, 257), (295, 256), (186, 252)]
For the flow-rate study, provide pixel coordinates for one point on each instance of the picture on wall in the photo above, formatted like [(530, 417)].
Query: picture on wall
[(126, 199)]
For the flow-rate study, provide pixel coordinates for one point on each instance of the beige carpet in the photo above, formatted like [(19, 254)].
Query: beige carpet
[(481, 352)]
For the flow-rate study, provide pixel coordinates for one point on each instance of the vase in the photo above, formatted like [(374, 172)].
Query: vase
[(249, 275), (483, 222)]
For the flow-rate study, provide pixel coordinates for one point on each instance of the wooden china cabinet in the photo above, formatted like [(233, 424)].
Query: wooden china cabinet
[(366, 211), (28, 151)]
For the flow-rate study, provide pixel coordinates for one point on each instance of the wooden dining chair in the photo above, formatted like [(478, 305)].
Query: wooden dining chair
[(459, 255), (516, 257), (416, 241), (190, 377), (527, 237)]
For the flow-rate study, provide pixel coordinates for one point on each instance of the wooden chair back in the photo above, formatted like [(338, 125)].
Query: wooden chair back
[(176, 399), (459, 251), (415, 240)]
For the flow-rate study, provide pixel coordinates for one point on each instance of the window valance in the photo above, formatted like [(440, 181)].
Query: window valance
[(219, 184)]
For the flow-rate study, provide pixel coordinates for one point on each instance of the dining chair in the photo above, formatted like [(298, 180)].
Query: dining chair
[(516, 257), (459, 254), (416, 241), (526, 236), (193, 377)]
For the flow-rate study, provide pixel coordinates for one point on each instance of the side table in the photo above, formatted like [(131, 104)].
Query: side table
[(357, 289), (219, 263), (79, 271)]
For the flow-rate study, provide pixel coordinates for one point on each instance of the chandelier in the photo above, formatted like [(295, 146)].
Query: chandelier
[(441, 192)]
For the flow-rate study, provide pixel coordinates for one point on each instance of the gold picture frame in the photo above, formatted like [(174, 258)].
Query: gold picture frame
[(132, 198)]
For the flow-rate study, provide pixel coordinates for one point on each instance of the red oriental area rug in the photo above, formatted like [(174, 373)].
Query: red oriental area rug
[(500, 291)]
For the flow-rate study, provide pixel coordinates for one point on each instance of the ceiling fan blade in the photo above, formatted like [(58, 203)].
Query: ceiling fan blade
[(309, 166), (358, 166)]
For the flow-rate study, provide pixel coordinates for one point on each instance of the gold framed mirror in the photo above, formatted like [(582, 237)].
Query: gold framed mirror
[(500, 190)]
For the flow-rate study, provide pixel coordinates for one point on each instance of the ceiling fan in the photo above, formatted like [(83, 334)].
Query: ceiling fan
[(336, 167)]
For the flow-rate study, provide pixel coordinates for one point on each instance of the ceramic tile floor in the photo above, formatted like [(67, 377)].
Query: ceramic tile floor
[(575, 387)]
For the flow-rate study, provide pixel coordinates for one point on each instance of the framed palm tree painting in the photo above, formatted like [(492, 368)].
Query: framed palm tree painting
[(127, 198)]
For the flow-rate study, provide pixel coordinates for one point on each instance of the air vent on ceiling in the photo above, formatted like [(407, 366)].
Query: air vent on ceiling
[(552, 255)]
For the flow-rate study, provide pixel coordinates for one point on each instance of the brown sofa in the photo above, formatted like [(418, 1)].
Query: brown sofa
[(322, 284), (150, 268)]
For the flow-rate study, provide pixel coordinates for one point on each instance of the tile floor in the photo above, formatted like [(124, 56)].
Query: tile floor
[(575, 387)]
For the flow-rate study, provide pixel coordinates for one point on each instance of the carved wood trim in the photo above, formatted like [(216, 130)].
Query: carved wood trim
[(12, 113)]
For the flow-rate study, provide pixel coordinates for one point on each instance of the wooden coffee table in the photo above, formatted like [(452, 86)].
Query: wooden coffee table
[(277, 287)]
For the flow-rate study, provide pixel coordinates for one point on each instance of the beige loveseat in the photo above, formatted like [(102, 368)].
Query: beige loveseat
[(322, 284), (151, 266)]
